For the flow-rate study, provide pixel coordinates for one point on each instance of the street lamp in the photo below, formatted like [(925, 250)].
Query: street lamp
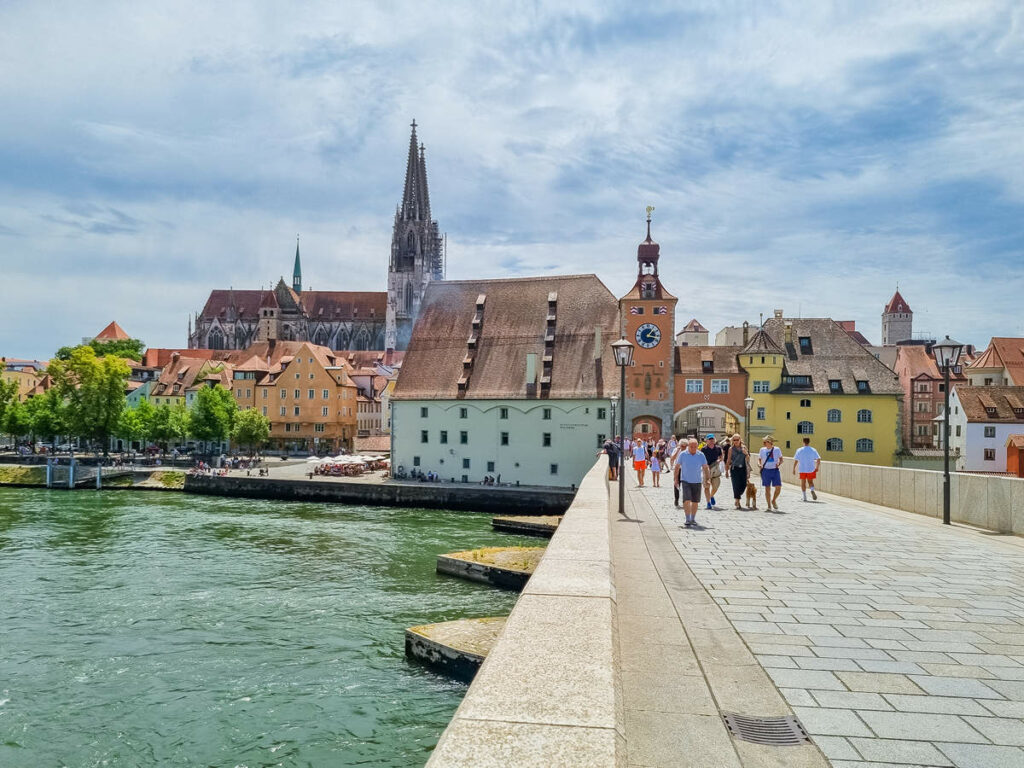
[(947, 354), (623, 352), (749, 402)]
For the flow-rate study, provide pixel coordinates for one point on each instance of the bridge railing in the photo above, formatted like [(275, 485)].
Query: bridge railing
[(986, 501)]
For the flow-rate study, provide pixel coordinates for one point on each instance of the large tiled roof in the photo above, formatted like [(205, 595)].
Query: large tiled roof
[(1006, 403), (833, 355), (1004, 352), (178, 375), (113, 332), (158, 357), (514, 324), (318, 305), (915, 360), (690, 360)]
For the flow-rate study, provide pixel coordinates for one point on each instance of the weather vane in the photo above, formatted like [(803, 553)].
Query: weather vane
[(650, 210)]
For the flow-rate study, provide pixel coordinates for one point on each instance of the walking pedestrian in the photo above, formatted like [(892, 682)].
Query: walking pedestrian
[(656, 459), (808, 461), (610, 448), (713, 453), (769, 461), (737, 466), (639, 461), (690, 474), (670, 450)]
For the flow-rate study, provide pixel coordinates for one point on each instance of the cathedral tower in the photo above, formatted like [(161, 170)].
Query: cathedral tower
[(417, 255), (297, 270)]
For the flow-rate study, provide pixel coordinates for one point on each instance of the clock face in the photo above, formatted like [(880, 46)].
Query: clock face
[(648, 335)]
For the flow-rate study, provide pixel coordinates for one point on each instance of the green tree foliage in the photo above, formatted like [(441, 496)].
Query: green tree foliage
[(93, 388), (8, 395), (213, 414), (128, 348), (17, 420), (252, 428), (132, 425), (48, 414), (168, 424)]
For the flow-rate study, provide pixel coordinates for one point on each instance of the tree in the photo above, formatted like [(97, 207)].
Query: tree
[(17, 421), (132, 426), (8, 395), (252, 428), (125, 348), (94, 390), (168, 424), (213, 414), (48, 415)]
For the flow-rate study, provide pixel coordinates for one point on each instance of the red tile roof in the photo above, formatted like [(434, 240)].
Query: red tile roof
[(1006, 403), (1004, 352), (112, 332), (694, 327), (690, 360), (897, 304), (158, 357)]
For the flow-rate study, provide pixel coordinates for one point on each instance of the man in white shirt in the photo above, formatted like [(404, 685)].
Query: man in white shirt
[(808, 461)]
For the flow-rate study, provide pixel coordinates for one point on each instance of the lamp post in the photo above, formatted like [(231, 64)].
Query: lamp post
[(749, 402), (623, 352), (947, 353)]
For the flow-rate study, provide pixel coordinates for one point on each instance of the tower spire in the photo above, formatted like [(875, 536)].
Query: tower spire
[(297, 270), (415, 201)]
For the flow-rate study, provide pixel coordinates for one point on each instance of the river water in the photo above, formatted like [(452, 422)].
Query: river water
[(159, 629)]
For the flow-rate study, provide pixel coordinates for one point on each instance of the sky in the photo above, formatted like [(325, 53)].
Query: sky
[(805, 156)]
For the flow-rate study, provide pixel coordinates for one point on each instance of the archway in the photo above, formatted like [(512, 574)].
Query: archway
[(647, 428), (707, 419)]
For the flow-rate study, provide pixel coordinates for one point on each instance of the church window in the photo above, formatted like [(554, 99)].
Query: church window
[(408, 298), (215, 339), (410, 241)]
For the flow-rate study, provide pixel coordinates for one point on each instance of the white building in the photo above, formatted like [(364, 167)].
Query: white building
[(982, 420), (510, 379)]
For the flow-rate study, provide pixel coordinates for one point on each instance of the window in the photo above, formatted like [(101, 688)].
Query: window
[(865, 445), (835, 415), (834, 444), (264, 410), (284, 394), (921, 406), (238, 393), (311, 394), (323, 411), (695, 385), (805, 345), (296, 374), (298, 393), (864, 416), (707, 366), (990, 431), (922, 386), (760, 414), (318, 427), (465, 463), (444, 436), (990, 454), (463, 413), (284, 411), (600, 439), (805, 428), (287, 427), (835, 385), (958, 430), (326, 394), (797, 381), (423, 412), (923, 430), (504, 438), (311, 375), (602, 414), (761, 386), (490, 466), (805, 403), (719, 386), (296, 409), (554, 469), (546, 414), (546, 442), (503, 413), (248, 392), (265, 395), (789, 415), (862, 386), (464, 437), (415, 461)]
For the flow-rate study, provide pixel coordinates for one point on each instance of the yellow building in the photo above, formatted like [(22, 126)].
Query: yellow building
[(303, 389), (27, 373), (809, 378)]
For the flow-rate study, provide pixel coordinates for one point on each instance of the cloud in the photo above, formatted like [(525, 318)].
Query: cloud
[(799, 155)]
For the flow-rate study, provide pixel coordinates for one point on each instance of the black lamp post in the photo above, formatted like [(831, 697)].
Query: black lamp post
[(623, 352), (947, 353), (749, 402)]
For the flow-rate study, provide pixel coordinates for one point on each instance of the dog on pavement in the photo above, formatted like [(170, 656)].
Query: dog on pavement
[(751, 497)]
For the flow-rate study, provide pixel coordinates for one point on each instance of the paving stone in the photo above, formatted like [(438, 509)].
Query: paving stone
[(798, 697), (890, 667), (848, 665), (925, 727), (870, 654), (954, 686), (1004, 708), (982, 755), (899, 751), (1000, 730), (831, 722), (836, 748), (850, 700), (945, 705), (660, 738), (806, 678)]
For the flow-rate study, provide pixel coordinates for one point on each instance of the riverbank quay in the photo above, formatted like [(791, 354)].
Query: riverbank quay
[(474, 498), (537, 525), (456, 648), (503, 567)]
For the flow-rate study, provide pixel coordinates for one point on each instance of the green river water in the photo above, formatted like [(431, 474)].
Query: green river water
[(159, 629)]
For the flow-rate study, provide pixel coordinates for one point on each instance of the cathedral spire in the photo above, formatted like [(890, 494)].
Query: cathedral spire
[(297, 271), (415, 201)]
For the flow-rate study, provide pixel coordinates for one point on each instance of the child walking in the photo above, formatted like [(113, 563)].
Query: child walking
[(656, 468)]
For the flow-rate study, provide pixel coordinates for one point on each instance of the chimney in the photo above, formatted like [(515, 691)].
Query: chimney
[(598, 342), (746, 332), (175, 356), (778, 314), (789, 330)]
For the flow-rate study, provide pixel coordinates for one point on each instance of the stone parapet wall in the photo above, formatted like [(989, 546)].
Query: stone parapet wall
[(549, 693), (986, 501)]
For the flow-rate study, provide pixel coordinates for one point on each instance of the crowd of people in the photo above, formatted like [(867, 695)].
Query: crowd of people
[(698, 466)]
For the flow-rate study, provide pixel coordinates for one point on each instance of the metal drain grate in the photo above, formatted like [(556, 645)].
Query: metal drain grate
[(777, 731)]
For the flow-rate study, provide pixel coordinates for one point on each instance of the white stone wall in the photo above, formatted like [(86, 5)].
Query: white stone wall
[(574, 427)]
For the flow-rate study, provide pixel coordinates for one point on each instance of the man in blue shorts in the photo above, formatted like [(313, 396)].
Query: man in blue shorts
[(769, 460), (691, 472)]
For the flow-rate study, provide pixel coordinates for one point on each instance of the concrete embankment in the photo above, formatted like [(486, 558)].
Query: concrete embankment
[(526, 525), (473, 498), (504, 567), (457, 648), (548, 691)]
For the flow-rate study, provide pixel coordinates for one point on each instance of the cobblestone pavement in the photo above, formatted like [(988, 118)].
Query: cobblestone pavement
[(896, 640)]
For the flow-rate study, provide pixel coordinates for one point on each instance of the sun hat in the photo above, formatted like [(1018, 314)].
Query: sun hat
[(769, 439), (709, 437)]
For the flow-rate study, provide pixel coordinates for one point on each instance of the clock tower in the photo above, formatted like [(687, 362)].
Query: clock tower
[(647, 315)]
